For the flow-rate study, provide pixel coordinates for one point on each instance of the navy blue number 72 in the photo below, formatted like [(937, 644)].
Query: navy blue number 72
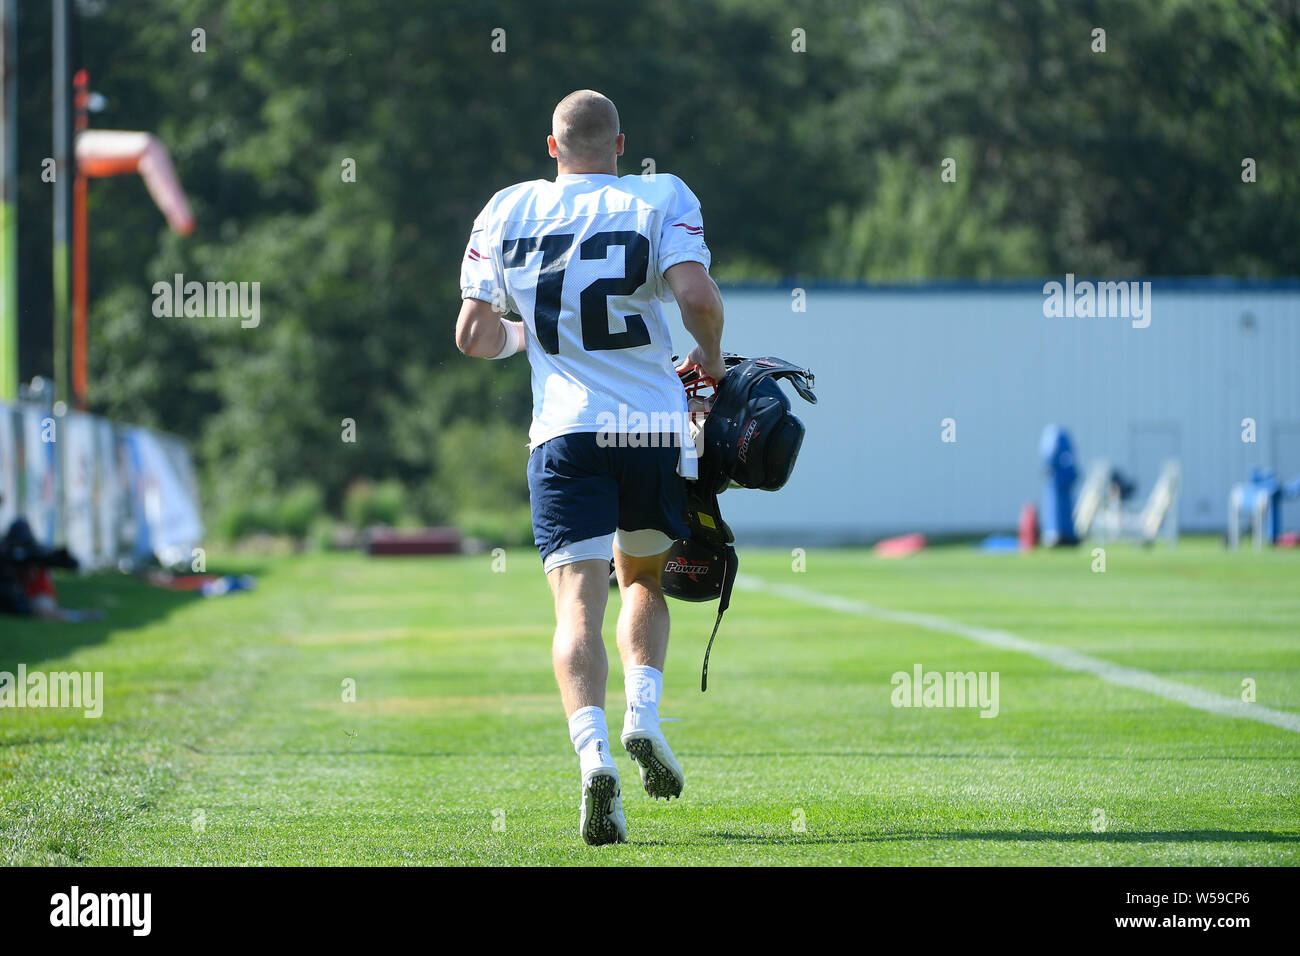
[(593, 304)]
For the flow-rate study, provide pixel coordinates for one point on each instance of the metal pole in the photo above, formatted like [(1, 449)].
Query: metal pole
[(63, 171), (8, 201), (80, 249)]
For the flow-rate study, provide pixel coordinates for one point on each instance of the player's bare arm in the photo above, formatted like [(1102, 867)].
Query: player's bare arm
[(701, 306), (481, 332)]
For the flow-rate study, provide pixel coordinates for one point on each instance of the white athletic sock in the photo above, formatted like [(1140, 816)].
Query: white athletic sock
[(590, 738), (644, 685)]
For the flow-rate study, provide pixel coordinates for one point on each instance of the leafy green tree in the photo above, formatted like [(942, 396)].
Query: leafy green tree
[(813, 135)]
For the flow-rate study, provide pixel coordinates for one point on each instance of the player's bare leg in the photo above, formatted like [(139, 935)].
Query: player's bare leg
[(643, 647), (581, 591), (643, 621)]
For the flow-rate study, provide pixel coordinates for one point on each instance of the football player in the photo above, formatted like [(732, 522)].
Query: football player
[(585, 260)]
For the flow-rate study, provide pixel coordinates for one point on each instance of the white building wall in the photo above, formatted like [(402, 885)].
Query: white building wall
[(893, 362)]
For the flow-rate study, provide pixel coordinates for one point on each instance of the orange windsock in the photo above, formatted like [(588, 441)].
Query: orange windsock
[(115, 153)]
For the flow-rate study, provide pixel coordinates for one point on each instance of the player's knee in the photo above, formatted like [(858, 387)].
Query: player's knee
[(579, 610), (642, 573), (645, 587), (577, 615)]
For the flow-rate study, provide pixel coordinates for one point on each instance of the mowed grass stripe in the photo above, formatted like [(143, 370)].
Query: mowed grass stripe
[(232, 707), (1064, 657)]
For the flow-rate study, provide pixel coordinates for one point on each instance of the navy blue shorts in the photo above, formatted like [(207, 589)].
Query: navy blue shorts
[(581, 491)]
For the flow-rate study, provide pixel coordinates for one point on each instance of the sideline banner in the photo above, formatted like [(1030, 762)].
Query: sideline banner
[(39, 493), (111, 494), (78, 445), (162, 482)]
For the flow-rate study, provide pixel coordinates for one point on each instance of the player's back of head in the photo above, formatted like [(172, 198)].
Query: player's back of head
[(586, 127)]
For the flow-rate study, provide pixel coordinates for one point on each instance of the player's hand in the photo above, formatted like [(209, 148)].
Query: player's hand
[(710, 365)]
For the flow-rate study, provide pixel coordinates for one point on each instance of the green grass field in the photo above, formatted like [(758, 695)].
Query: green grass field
[(225, 738)]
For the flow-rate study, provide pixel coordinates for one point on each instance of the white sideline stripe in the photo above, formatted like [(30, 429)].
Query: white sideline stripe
[(1060, 656)]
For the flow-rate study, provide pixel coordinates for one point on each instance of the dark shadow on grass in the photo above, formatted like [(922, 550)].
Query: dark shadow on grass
[(127, 602), (1010, 836)]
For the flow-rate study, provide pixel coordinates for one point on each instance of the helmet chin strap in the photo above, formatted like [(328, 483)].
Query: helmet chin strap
[(724, 601)]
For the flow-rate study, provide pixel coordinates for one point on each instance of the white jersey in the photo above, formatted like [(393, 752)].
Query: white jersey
[(581, 260)]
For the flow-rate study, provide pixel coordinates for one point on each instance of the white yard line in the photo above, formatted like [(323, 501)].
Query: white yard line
[(1060, 656)]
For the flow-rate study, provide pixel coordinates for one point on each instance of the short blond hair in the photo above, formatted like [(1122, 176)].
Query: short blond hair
[(585, 126)]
